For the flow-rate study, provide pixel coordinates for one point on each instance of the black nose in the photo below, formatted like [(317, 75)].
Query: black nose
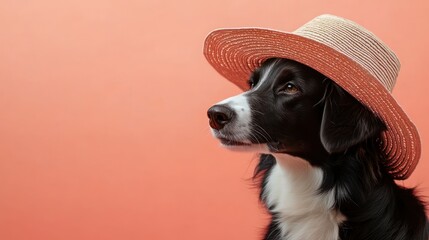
[(219, 116)]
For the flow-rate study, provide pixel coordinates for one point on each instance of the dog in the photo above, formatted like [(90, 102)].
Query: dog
[(321, 170)]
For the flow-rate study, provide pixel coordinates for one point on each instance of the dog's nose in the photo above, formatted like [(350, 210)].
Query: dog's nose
[(219, 116)]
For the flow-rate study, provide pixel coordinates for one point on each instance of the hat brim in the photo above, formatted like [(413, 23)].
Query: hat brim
[(235, 53)]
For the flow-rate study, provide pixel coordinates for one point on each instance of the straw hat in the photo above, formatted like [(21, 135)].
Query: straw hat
[(340, 49)]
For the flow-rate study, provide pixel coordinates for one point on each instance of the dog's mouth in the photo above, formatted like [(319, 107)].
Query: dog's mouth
[(230, 142)]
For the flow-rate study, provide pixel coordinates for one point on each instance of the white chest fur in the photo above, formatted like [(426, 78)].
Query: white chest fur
[(292, 191)]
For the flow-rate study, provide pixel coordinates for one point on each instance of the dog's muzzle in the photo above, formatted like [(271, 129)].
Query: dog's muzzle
[(230, 122)]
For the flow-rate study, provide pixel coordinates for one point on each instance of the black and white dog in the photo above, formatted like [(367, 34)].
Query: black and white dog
[(320, 169)]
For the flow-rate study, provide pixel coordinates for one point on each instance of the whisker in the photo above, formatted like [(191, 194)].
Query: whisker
[(262, 132)]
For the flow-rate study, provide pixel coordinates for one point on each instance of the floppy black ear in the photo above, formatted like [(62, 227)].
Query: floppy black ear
[(345, 121)]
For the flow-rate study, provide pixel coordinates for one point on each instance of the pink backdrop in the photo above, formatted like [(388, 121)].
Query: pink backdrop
[(103, 129)]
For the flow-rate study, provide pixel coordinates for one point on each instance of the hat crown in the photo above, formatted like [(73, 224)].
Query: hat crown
[(357, 43)]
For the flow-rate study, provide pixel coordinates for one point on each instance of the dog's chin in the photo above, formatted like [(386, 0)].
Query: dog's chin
[(243, 146), (257, 148)]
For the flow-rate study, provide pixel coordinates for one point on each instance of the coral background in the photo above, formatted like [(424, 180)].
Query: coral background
[(103, 128)]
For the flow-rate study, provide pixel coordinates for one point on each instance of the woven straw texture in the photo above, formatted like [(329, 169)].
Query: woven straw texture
[(340, 49)]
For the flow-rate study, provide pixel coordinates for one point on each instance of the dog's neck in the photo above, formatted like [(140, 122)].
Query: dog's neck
[(292, 194)]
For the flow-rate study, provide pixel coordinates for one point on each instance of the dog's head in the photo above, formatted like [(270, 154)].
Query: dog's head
[(291, 108)]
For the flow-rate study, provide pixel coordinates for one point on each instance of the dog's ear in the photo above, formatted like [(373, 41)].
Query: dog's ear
[(345, 121)]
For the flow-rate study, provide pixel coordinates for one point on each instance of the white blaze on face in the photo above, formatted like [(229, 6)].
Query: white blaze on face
[(240, 105), (264, 76)]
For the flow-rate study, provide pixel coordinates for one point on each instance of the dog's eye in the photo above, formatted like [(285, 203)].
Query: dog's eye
[(254, 79), (252, 83), (290, 89)]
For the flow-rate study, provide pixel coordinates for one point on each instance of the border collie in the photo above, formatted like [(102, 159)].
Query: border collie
[(321, 169)]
